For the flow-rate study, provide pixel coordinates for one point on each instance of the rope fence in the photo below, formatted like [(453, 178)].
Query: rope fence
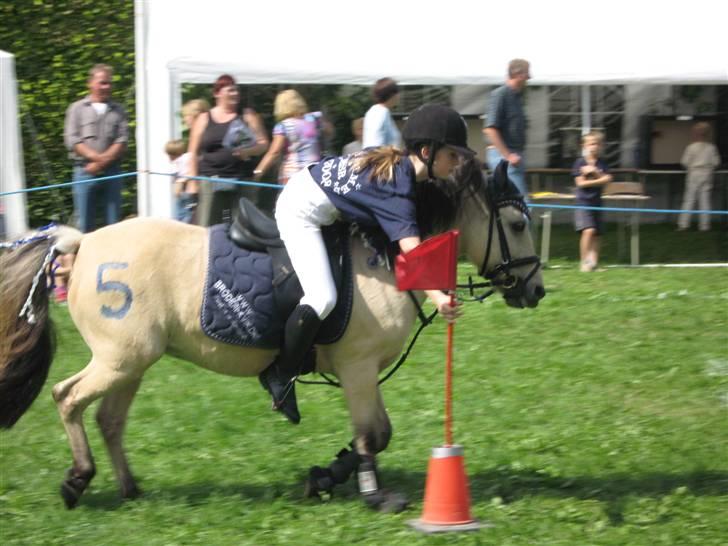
[(279, 186)]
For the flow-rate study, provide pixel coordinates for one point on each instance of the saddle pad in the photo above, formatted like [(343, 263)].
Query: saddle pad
[(239, 305)]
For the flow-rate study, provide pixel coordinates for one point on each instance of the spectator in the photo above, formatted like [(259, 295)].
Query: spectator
[(224, 144), (379, 127), (357, 129), (191, 109), (96, 135), (297, 137), (61, 273), (590, 174), (185, 190), (700, 158), (505, 124)]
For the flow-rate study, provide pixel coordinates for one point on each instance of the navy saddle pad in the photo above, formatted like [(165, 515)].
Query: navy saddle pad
[(240, 305)]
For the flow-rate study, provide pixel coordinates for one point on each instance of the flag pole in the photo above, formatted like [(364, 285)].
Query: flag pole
[(448, 379)]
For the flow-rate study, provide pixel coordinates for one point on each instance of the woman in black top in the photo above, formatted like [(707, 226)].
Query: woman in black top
[(224, 144)]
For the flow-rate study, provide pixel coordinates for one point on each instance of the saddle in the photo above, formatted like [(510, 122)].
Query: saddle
[(251, 287)]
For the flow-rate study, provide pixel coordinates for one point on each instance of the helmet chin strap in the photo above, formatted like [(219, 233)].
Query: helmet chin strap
[(430, 160)]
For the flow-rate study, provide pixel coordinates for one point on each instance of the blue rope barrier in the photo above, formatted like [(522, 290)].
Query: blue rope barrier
[(226, 180), (626, 209), (64, 184), (279, 186)]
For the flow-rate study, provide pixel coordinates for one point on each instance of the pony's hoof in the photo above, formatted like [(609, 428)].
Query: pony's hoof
[(319, 484), (131, 493), (70, 494), (387, 502)]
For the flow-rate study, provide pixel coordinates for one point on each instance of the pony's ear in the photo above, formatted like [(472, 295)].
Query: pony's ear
[(500, 177)]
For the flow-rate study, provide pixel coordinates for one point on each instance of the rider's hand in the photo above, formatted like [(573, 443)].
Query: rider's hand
[(449, 311)]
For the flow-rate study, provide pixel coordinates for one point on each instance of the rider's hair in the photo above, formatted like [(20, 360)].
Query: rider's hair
[(382, 160)]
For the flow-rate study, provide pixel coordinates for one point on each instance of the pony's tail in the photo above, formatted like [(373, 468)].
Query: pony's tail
[(27, 342)]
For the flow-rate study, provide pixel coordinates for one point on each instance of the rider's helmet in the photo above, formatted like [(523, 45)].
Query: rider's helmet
[(436, 125)]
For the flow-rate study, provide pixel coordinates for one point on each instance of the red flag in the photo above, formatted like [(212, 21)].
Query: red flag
[(432, 265)]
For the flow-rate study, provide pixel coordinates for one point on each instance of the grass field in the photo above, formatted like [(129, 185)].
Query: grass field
[(601, 417)]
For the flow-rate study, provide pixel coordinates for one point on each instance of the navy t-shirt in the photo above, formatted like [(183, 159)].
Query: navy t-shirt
[(591, 194), (390, 204), (505, 113)]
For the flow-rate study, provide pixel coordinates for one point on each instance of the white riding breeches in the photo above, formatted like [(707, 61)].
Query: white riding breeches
[(302, 208)]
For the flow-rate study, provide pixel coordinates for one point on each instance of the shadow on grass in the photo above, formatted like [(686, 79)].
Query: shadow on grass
[(613, 490), (510, 485)]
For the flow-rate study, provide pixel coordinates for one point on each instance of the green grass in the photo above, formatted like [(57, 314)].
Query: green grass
[(601, 417)]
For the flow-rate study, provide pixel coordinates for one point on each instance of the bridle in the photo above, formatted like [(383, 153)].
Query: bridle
[(501, 274)]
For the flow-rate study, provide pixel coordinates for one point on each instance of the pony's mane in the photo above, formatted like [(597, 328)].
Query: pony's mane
[(438, 201)]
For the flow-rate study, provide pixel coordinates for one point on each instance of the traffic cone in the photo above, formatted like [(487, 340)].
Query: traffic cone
[(447, 497)]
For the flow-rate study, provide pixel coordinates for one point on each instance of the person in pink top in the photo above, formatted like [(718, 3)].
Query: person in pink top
[(296, 137)]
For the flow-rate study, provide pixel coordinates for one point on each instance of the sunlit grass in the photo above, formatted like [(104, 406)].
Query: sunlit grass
[(601, 417)]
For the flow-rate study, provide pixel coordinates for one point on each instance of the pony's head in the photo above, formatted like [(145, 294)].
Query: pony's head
[(494, 229)]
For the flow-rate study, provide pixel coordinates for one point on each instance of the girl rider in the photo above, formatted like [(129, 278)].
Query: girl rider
[(374, 188)]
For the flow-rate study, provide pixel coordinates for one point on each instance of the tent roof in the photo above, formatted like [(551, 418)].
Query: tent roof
[(426, 42), (456, 42)]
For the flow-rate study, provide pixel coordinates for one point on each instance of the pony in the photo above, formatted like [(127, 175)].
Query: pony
[(126, 301)]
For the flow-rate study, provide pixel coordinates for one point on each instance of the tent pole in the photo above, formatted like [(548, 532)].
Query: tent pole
[(142, 128)]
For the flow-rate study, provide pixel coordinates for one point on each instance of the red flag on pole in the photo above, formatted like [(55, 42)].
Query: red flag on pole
[(432, 265)]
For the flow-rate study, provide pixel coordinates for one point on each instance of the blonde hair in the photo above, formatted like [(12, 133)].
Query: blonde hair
[(195, 107), (288, 104), (175, 148), (596, 135), (382, 160), (702, 131)]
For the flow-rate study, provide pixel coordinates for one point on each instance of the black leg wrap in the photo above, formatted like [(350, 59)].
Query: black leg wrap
[(346, 462), (321, 481)]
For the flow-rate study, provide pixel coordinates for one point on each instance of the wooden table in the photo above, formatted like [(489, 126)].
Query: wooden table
[(616, 201)]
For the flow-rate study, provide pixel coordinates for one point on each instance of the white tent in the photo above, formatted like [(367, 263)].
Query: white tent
[(426, 42), (12, 173)]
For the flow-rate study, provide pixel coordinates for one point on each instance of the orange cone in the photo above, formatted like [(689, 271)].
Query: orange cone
[(447, 496)]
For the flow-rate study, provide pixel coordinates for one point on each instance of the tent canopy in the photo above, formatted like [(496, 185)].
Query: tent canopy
[(426, 43)]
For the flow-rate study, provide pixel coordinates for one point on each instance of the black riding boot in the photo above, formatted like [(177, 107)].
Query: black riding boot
[(277, 379)]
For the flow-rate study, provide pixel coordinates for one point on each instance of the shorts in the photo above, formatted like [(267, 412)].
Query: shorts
[(588, 219)]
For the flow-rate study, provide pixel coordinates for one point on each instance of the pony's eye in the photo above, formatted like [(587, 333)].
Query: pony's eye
[(518, 226)]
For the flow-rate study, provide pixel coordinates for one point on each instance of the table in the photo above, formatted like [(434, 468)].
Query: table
[(617, 201)]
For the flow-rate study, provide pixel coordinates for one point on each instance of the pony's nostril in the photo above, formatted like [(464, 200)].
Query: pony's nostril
[(539, 291)]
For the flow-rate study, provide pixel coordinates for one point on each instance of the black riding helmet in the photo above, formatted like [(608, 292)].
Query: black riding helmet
[(436, 125)]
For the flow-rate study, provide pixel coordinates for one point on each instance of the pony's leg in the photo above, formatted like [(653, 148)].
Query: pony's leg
[(111, 418), (72, 398), (372, 431)]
